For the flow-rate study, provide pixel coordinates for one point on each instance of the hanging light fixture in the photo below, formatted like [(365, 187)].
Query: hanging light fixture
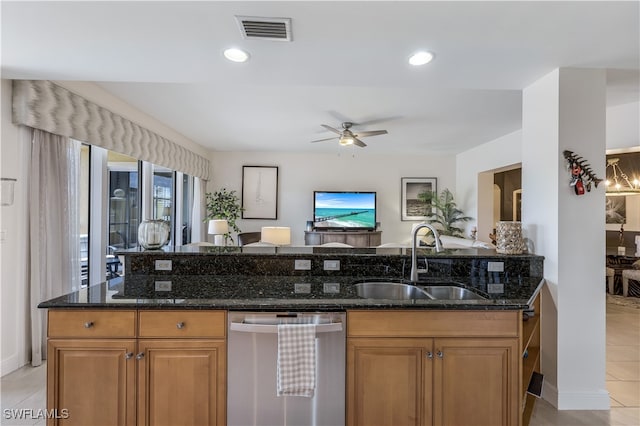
[(617, 182)]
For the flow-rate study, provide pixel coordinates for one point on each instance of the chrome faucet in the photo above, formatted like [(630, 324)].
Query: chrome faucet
[(414, 244)]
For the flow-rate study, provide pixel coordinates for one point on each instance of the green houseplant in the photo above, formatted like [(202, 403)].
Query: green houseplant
[(224, 204), (443, 211)]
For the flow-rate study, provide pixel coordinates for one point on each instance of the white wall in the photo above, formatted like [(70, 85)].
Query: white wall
[(475, 191), (13, 222), (566, 110), (623, 126), (300, 174)]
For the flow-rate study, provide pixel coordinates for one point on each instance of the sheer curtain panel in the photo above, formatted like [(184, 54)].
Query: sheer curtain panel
[(54, 249), (198, 212)]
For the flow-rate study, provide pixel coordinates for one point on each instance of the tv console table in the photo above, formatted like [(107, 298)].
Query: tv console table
[(353, 238)]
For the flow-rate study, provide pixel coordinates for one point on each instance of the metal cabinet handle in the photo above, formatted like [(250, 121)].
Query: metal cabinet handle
[(180, 325), (439, 354), (430, 355), (88, 324), (128, 355), (140, 355)]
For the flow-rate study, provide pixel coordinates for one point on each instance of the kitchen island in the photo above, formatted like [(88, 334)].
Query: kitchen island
[(157, 339)]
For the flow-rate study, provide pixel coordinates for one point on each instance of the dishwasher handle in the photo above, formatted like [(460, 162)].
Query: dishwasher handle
[(273, 328)]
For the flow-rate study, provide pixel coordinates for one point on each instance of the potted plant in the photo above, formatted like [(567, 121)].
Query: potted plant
[(442, 211), (224, 204)]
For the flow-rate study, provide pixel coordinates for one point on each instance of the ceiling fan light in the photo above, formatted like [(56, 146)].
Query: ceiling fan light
[(346, 141), (236, 55), (421, 58)]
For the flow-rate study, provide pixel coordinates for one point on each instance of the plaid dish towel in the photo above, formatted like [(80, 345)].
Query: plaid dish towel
[(296, 366)]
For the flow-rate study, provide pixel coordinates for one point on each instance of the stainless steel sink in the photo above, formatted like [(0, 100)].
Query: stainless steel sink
[(450, 292), (390, 290)]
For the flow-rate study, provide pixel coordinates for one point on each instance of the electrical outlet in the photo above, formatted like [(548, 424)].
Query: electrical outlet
[(302, 288), (495, 288), (331, 288), (163, 285), (495, 266), (302, 265), (331, 265), (163, 265)]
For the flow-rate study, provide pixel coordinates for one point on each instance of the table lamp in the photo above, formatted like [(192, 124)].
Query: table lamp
[(218, 228), (277, 235)]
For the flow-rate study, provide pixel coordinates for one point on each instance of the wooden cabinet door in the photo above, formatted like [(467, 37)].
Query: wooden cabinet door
[(389, 381), (476, 381), (93, 380), (181, 382)]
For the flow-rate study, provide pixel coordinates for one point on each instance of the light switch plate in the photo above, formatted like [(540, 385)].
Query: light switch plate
[(495, 266), (163, 285), (495, 288), (302, 265), (331, 265), (163, 265)]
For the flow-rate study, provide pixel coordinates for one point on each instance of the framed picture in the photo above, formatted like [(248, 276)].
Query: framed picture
[(616, 209), (411, 206), (259, 192)]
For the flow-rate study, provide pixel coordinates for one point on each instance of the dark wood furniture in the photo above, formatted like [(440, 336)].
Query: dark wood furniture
[(353, 238), (248, 238)]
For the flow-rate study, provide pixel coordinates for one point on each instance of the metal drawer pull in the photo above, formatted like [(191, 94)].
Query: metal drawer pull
[(180, 325), (140, 355), (128, 355), (439, 354), (430, 355), (273, 328), (88, 324)]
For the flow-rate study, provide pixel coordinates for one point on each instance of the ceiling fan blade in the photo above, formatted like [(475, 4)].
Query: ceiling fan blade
[(372, 133), (331, 129), (358, 142), (322, 140)]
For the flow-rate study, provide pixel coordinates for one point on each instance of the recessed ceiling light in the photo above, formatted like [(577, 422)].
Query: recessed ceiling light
[(236, 55), (421, 58)]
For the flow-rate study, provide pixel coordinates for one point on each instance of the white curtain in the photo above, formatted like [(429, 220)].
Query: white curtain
[(199, 210), (54, 241)]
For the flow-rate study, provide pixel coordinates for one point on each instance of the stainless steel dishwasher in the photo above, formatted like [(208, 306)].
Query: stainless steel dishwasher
[(251, 381)]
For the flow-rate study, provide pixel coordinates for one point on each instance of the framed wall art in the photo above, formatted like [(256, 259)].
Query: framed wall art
[(259, 192), (616, 209), (411, 206)]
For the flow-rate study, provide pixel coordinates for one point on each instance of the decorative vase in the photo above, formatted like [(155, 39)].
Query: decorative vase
[(153, 234), (509, 238)]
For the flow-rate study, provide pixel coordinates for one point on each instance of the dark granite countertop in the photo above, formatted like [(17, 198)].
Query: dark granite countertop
[(278, 293)]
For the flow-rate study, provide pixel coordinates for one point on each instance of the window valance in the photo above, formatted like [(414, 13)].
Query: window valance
[(44, 105)]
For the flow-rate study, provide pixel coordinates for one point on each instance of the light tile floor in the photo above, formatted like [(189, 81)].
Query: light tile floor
[(25, 388)]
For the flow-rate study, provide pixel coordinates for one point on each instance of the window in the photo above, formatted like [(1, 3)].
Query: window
[(124, 201)]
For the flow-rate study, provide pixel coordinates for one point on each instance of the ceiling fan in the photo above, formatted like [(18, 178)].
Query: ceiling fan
[(347, 137)]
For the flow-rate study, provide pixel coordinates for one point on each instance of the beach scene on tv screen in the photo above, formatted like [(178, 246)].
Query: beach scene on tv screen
[(345, 210)]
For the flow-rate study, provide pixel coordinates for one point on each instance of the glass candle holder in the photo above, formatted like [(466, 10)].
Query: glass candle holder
[(153, 234), (509, 238)]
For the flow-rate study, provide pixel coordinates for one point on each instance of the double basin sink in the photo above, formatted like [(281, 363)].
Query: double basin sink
[(399, 291)]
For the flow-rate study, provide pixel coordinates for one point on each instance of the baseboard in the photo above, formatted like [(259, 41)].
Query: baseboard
[(11, 364), (597, 400)]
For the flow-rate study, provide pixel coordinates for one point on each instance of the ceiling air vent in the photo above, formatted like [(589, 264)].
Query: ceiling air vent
[(259, 28)]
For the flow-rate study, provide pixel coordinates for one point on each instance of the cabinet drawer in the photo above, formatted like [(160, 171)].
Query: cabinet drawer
[(372, 323), (92, 323), (183, 324)]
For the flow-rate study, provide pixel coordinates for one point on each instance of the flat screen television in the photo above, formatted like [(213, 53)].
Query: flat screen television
[(344, 210)]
